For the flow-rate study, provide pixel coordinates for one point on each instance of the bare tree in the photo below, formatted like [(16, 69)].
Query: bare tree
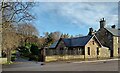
[(65, 36), (55, 36), (16, 11), (27, 29), (10, 40), (51, 37), (42, 42), (28, 33), (13, 13)]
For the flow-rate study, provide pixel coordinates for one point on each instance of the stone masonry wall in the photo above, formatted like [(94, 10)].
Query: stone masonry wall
[(115, 46), (104, 52), (93, 49), (65, 57)]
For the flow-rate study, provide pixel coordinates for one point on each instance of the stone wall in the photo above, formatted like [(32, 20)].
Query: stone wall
[(3, 60), (115, 46), (66, 57), (104, 52), (93, 49)]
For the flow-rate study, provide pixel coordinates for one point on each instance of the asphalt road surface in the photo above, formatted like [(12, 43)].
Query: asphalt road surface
[(63, 66)]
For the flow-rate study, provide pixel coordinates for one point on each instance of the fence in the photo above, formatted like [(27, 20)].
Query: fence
[(73, 51)]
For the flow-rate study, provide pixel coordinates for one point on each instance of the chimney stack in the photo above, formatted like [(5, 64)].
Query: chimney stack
[(90, 31), (102, 23), (113, 26)]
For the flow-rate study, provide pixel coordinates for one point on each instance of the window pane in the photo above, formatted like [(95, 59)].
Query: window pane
[(88, 50), (97, 51)]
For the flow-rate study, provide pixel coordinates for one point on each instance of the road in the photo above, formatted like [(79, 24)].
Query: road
[(64, 66)]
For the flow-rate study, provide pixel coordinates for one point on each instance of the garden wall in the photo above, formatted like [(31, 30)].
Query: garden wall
[(3, 60), (67, 57)]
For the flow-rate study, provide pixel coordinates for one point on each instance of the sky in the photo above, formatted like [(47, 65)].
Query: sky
[(73, 17)]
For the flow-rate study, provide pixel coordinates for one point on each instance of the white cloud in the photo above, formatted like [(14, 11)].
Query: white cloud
[(84, 13), (90, 13)]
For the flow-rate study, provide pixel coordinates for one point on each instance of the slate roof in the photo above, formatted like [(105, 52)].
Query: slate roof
[(73, 42), (53, 45), (113, 31), (79, 41), (67, 41)]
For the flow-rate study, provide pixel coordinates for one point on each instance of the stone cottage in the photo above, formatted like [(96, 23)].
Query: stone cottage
[(109, 37), (76, 48)]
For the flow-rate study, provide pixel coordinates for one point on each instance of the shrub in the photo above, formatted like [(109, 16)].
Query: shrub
[(34, 58), (30, 50), (13, 58), (34, 49)]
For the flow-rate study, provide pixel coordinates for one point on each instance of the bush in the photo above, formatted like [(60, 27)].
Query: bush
[(24, 51), (13, 58), (30, 50), (34, 58), (3, 54), (34, 49)]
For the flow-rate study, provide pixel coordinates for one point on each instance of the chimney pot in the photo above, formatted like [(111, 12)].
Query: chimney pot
[(90, 31), (113, 26), (102, 23)]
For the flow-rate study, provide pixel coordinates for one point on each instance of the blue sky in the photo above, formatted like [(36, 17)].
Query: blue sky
[(73, 17)]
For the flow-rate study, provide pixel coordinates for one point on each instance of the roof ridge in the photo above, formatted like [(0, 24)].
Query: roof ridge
[(111, 28), (77, 37)]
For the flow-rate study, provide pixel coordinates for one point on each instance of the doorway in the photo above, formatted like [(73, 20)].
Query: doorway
[(111, 53)]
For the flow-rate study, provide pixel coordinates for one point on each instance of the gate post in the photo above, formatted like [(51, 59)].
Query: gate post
[(42, 56)]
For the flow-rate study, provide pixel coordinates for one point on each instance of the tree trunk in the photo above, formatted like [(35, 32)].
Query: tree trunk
[(8, 55)]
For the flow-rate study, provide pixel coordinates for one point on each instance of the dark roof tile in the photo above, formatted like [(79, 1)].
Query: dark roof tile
[(73, 42), (113, 31), (53, 45)]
